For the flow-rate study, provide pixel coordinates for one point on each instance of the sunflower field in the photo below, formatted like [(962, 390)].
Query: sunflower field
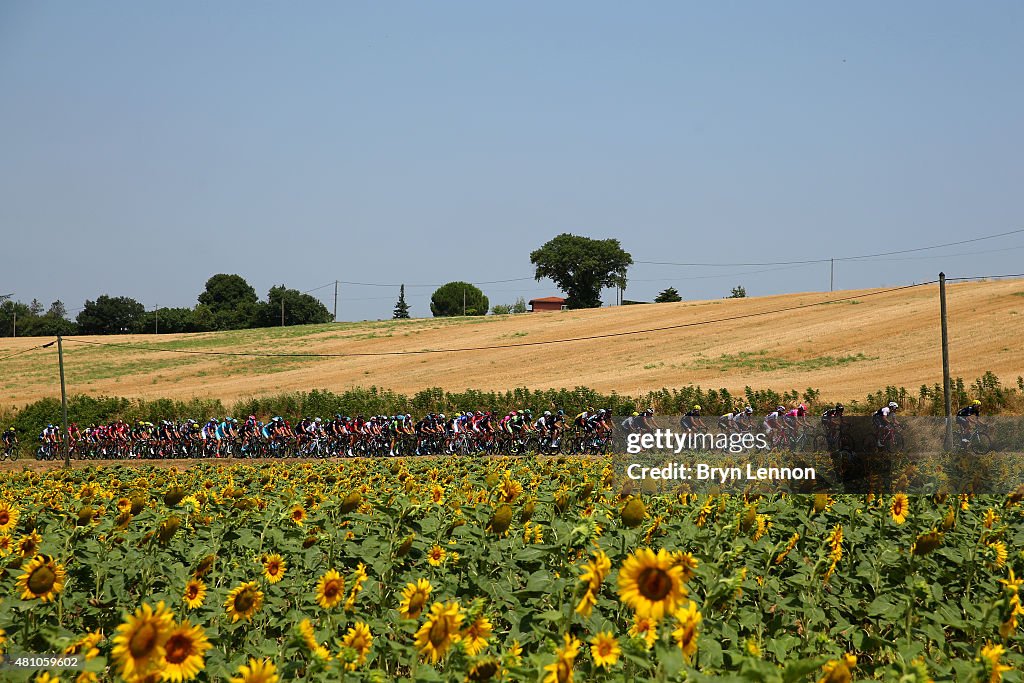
[(527, 569)]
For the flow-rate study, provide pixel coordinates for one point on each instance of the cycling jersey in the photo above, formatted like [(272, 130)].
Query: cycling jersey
[(968, 411)]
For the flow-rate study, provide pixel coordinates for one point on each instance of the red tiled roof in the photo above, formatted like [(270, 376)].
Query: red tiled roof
[(548, 300)]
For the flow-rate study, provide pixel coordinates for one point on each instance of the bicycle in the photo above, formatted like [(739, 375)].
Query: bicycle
[(978, 441)]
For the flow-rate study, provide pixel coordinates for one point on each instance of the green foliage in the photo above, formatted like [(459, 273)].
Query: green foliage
[(172, 320), (232, 302), (582, 267), (111, 315), (501, 309), (33, 322), (299, 308), (458, 298), (519, 306), (669, 295), (738, 292), (401, 308)]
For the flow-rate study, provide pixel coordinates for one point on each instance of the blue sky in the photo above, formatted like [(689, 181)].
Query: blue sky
[(147, 146)]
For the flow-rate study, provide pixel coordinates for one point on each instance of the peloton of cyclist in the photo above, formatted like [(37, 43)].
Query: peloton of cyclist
[(773, 422), (691, 421)]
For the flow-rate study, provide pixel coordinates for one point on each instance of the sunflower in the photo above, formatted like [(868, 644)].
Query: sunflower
[(309, 637), (689, 619), (43, 579), (139, 644), (560, 670), (6, 545), (514, 654), (651, 584), (257, 671), (184, 652), (437, 494), (8, 517), (244, 601), (436, 555), (29, 544), (414, 599), (439, 631), (991, 654), (330, 589), (298, 514), (899, 508), (604, 649), (838, 670), (646, 628), (476, 634), (688, 563), (195, 593), (999, 551), (273, 568), (360, 639), (45, 677), (86, 645)]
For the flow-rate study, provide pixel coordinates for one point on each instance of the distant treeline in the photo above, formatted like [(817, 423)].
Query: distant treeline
[(227, 303), (85, 410)]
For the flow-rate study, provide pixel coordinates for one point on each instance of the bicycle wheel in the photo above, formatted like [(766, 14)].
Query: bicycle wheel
[(981, 443)]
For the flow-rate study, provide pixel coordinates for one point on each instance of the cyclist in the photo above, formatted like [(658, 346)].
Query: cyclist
[(10, 438), (773, 422), (832, 423), (736, 422), (884, 418), (691, 421), (796, 419), (967, 419)]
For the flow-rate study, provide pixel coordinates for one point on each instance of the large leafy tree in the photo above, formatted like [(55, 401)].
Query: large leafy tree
[(232, 302), (299, 308), (582, 267), (111, 315), (447, 300)]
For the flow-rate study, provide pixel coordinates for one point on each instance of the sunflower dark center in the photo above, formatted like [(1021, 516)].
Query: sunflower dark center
[(41, 580), (245, 600), (331, 589), (654, 584), (438, 632), (5, 517), (178, 648), (143, 640)]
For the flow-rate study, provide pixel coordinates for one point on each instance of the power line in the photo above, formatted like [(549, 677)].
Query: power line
[(504, 346), (838, 258), (34, 348)]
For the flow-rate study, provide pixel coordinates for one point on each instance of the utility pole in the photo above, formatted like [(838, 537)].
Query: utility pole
[(945, 362), (282, 307), (335, 301), (463, 301), (156, 324), (14, 332), (832, 275), (63, 402)]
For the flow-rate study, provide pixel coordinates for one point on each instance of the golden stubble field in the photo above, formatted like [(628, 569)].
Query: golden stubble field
[(845, 349)]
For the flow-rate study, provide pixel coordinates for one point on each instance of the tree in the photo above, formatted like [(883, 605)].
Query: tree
[(36, 307), (669, 295), (401, 308), (738, 292), (232, 301), (173, 320), (111, 315), (582, 267), (519, 306), (299, 308), (501, 309), (57, 310), (458, 298)]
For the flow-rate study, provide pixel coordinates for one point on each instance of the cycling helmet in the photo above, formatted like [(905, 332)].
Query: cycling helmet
[(649, 412), (441, 416), (975, 402), (635, 414), (780, 409), (696, 406), (478, 413), (561, 412), (802, 407), (748, 410), (839, 407), (408, 416), (893, 405), (547, 413)]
